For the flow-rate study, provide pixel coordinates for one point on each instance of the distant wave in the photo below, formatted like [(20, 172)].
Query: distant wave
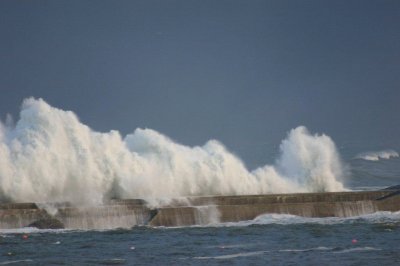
[(377, 155)]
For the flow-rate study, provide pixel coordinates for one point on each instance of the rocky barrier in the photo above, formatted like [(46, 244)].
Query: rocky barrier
[(196, 210)]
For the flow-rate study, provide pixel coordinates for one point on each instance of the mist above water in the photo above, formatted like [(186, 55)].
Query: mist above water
[(50, 156)]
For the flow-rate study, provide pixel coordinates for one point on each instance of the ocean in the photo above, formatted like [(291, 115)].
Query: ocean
[(48, 155), (269, 239), (273, 240)]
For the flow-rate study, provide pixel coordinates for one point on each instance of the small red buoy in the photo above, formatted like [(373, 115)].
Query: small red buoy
[(354, 241), (24, 236)]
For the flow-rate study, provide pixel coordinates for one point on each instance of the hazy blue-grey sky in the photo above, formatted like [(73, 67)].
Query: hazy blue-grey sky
[(244, 72)]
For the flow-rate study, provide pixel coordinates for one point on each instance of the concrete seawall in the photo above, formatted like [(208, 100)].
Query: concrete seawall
[(240, 208), (196, 210)]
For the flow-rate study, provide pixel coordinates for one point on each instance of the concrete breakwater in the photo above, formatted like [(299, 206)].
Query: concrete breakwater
[(196, 210)]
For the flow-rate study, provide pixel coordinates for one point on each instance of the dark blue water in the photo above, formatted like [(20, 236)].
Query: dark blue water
[(267, 240), (370, 174), (274, 244)]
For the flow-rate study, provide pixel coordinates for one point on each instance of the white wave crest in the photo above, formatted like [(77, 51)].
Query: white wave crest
[(377, 155), (50, 156)]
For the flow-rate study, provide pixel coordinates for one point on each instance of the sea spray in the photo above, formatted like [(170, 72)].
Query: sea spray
[(311, 161), (50, 156)]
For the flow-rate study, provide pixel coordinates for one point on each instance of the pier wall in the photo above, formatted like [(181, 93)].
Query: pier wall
[(197, 210)]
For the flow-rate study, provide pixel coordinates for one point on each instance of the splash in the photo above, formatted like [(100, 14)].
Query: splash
[(377, 155), (50, 156), (382, 217)]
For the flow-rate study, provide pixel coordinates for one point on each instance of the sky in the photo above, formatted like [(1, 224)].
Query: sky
[(243, 72)]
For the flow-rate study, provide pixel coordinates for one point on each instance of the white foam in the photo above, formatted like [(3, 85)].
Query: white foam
[(230, 246), (50, 156), (15, 261), (31, 230), (235, 255), (307, 249), (288, 219), (261, 252), (357, 249), (377, 155)]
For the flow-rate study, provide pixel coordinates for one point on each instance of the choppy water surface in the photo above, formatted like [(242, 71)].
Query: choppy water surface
[(270, 239)]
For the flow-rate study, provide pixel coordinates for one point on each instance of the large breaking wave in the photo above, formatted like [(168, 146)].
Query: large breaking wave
[(50, 156)]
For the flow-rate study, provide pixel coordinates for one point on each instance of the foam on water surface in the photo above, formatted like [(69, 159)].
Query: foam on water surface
[(288, 219)]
